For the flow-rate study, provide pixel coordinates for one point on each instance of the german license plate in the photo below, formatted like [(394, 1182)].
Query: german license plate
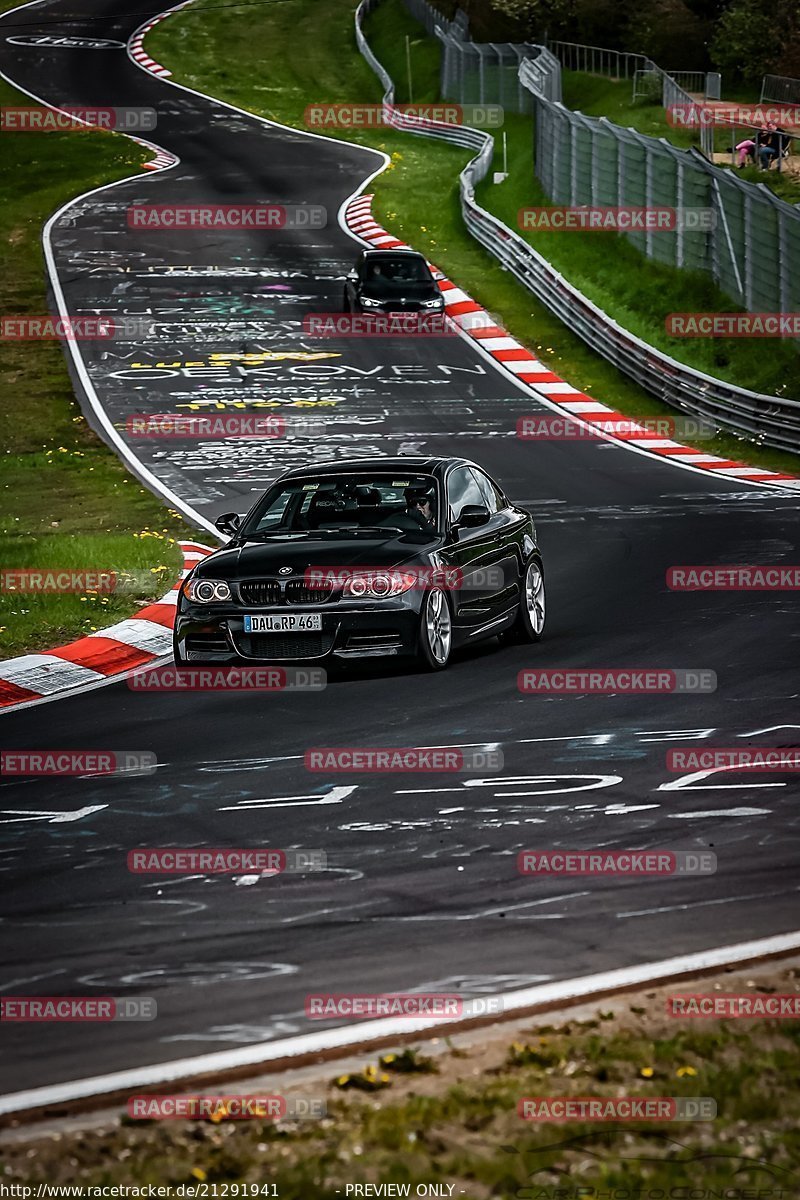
[(283, 623)]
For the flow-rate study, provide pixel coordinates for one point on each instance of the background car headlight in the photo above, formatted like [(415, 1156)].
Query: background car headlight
[(207, 591), (436, 302), (365, 300), (376, 585)]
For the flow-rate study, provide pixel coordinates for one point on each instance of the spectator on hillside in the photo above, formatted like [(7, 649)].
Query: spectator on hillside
[(747, 152), (766, 145)]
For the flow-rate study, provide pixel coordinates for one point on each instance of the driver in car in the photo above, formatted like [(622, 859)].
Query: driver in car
[(419, 506)]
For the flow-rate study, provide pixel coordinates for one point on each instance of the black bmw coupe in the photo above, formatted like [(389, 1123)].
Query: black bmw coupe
[(392, 281), (388, 556)]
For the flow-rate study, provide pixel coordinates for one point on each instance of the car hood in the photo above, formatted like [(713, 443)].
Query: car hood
[(254, 559)]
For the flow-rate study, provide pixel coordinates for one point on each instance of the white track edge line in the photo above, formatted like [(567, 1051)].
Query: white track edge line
[(351, 1036)]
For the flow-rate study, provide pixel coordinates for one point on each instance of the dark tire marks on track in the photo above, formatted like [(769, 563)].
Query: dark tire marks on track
[(421, 890)]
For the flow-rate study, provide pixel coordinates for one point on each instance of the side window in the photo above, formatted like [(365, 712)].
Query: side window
[(462, 488), (492, 497)]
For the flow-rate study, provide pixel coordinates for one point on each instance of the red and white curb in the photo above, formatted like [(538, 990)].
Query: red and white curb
[(136, 44), (162, 160), (528, 369), (93, 659)]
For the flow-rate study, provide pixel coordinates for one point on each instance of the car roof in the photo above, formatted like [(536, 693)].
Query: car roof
[(401, 464), (400, 252)]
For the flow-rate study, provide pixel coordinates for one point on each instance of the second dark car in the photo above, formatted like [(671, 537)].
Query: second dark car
[(392, 281), (381, 557)]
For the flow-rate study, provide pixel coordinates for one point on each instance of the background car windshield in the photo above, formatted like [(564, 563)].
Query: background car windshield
[(396, 270), (336, 501)]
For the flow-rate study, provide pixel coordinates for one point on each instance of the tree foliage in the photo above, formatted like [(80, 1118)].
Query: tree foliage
[(743, 38)]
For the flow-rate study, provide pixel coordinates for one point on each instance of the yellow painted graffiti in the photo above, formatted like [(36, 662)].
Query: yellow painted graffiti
[(263, 404), (253, 360)]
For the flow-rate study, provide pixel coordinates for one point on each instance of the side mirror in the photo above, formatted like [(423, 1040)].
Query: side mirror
[(352, 275), (228, 523), (473, 515)]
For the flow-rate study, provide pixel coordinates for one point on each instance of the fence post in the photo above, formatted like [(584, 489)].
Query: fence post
[(593, 164), (573, 151), (649, 151), (748, 255), (783, 263), (679, 197), (723, 223)]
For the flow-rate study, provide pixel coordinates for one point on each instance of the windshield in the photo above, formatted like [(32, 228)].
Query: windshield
[(410, 269), (351, 502)]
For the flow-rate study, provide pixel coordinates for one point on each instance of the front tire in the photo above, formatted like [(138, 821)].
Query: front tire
[(435, 631), (529, 623)]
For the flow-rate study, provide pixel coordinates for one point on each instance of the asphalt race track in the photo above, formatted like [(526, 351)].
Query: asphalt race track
[(421, 890)]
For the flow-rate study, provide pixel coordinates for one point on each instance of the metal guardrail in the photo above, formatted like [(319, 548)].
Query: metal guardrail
[(430, 18), (772, 420), (675, 86), (781, 89), (598, 60), (488, 72)]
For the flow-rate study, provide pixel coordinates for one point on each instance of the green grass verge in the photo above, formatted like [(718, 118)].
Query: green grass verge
[(216, 51), (67, 500), (598, 96), (453, 1120)]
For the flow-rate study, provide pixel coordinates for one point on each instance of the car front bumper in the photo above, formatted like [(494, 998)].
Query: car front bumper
[(367, 630)]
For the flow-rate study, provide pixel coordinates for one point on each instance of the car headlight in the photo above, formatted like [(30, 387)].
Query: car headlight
[(377, 585), (207, 591), (436, 302), (365, 300)]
